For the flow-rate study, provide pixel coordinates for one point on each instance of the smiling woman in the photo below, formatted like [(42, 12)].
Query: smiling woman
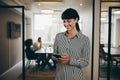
[(74, 48)]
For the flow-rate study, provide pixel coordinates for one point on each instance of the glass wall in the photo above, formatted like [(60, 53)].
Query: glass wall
[(109, 52), (47, 25)]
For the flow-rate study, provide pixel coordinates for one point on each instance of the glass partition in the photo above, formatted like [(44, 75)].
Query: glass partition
[(47, 25), (109, 52)]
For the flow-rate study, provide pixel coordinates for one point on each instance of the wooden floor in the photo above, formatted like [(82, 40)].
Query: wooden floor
[(33, 73)]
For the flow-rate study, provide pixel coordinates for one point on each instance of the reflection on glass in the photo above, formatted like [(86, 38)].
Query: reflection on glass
[(114, 57)]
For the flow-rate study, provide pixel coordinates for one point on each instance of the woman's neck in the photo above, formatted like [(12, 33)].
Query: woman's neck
[(72, 33)]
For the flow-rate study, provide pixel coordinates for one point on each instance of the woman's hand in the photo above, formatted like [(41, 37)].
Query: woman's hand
[(56, 59), (65, 58)]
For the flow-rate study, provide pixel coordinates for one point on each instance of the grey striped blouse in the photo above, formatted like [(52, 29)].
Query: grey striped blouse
[(78, 49)]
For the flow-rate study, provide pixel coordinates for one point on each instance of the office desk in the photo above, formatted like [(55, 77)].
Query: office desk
[(114, 52)]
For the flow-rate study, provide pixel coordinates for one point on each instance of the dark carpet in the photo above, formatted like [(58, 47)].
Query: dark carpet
[(114, 74)]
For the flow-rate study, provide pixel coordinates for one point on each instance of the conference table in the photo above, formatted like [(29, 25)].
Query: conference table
[(114, 52), (46, 59)]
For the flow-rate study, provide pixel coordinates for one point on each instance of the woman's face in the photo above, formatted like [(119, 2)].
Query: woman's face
[(70, 24)]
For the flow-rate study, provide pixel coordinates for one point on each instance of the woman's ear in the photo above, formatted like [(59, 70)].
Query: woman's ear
[(76, 20)]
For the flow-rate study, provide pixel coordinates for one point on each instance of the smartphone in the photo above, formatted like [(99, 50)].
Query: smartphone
[(57, 55)]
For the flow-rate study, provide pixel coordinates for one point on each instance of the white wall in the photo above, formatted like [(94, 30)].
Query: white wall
[(10, 48), (28, 29), (86, 15), (116, 31)]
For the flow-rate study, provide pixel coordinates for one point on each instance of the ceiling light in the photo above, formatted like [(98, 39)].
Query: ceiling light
[(47, 11), (47, 0), (81, 4), (39, 4)]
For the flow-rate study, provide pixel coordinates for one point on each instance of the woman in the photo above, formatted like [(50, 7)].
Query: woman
[(74, 48)]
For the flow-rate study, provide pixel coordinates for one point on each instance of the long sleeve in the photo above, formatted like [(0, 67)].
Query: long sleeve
[(78, 48), (83, 61)]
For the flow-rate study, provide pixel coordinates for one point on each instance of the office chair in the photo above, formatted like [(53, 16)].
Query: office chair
[(30, 58), (30, 55)]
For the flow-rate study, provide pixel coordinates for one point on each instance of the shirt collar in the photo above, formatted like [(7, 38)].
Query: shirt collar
[(77, 35)]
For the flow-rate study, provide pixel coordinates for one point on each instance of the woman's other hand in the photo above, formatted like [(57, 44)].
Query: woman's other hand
[(65, 58)]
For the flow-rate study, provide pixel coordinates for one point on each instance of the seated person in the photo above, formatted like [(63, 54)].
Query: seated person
[(37, 45)]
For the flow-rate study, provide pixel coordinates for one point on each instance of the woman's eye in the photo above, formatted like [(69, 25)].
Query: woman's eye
[(64, 21), (68, 21)]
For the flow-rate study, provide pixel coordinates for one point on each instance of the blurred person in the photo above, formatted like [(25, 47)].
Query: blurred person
[(37, 45)]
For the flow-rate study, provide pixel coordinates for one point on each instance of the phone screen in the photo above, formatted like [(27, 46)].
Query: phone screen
[(57, 55)]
